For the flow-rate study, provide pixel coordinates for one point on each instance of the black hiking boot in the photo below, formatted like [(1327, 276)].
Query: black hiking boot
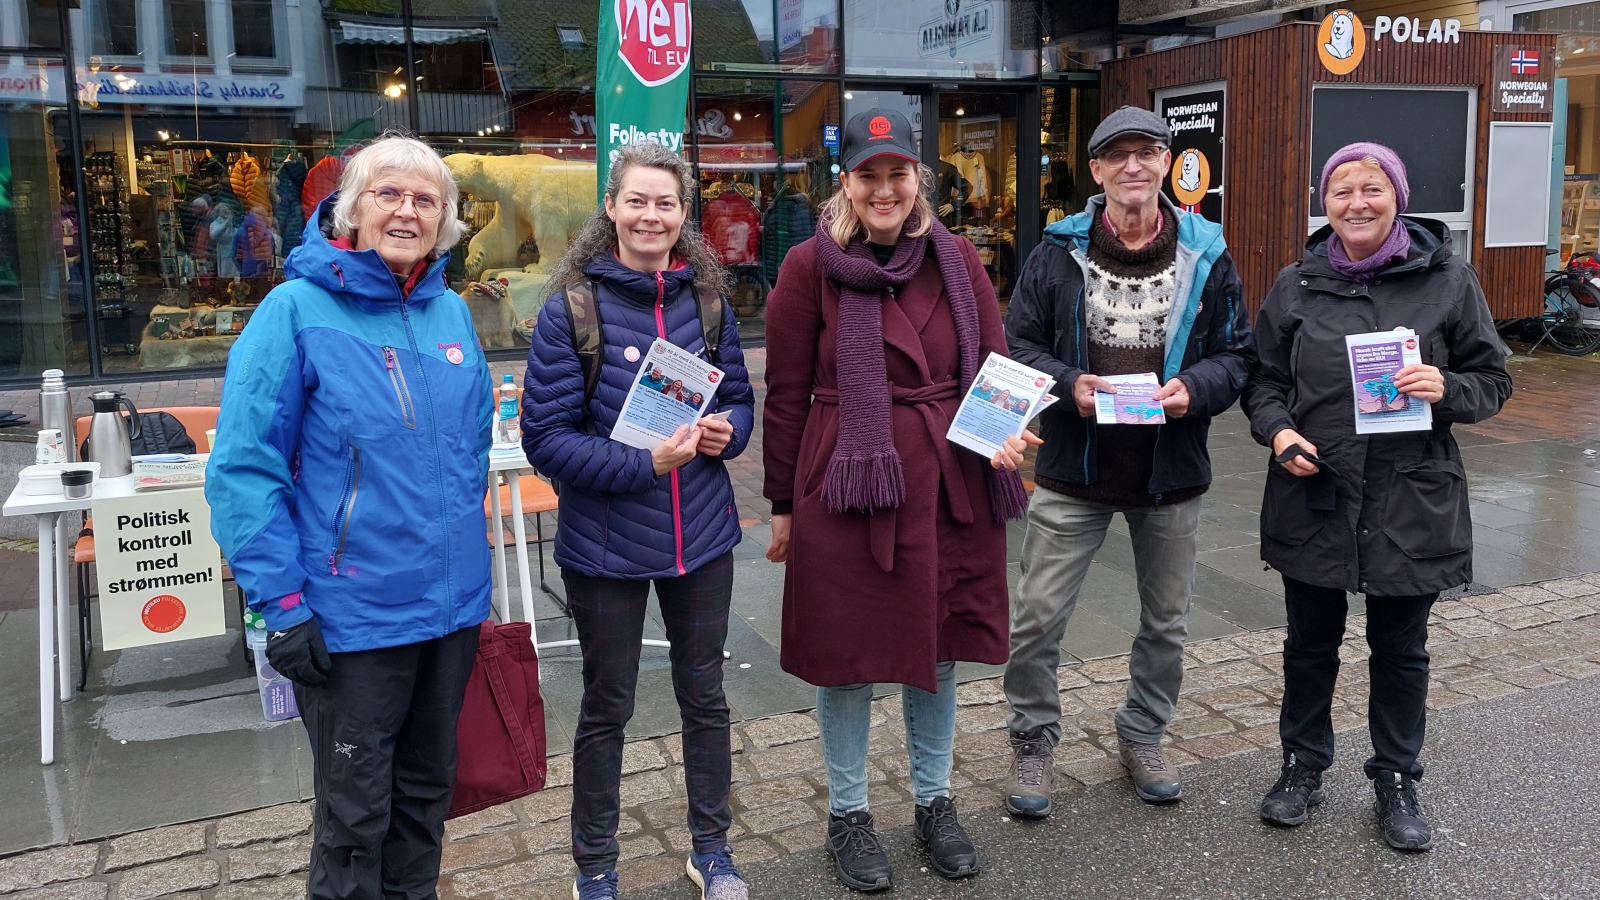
[(1298, 789), (1399, 815), (950, 851), (857, 856)]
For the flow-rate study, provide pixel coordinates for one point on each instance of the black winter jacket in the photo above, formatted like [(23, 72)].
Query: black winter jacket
[(1209, 346), (1402, 525)]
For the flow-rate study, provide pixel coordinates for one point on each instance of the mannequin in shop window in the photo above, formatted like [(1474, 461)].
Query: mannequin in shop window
[(952, 193), (975, 169)]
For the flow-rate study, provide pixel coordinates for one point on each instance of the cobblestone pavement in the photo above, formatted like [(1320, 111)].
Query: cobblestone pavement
[(1484, 646)]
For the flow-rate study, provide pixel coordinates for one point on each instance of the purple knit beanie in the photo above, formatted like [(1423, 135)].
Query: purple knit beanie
[(1387, 159)]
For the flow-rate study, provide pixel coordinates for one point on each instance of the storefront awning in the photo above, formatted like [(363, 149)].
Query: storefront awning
[(362, 33)]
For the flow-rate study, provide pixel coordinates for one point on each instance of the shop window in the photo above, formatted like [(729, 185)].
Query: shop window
[(114, 28), (941, 38), (766, 35), (44, 23), (764, 171), (1068, 115), (187, 33), (255, 31)]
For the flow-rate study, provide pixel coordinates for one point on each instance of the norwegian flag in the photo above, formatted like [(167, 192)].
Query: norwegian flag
[(1525, 62)]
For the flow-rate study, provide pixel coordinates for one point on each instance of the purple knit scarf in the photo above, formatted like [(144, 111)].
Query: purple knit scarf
[(864, 472), (1395, 247)]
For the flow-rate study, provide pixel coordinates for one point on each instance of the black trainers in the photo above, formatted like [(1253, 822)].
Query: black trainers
[(1399, 815), (950, 851), (857, 856), (1298, 789)]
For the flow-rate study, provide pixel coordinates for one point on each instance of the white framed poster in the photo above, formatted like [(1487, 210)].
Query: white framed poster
[(159, 570)]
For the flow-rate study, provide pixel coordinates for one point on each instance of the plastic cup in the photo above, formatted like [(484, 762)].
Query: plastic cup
[(211, 439)]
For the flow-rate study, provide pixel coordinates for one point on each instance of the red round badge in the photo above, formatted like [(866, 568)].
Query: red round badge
[(1038, 382), (163, 613), (712, 377), (879, 126), (656, 37), (455, 355), (1411, 343)]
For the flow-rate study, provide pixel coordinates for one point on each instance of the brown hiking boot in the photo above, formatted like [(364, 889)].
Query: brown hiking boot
[(1033, 769), (1154, 779)]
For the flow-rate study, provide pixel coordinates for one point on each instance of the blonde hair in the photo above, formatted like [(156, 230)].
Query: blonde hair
[(845, 226), (1345, 170), (397, 154)]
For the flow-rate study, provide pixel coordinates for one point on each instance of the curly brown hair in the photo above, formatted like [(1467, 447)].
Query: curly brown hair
[(599, 233)]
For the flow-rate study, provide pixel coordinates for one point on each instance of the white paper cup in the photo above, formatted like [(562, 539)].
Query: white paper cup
[(211, 439)]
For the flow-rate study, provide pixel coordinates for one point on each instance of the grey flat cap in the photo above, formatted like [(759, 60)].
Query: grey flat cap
[(1125, 121)]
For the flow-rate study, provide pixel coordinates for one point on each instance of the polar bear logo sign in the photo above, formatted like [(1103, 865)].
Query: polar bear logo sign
[(1342, 42), (1189, 171)]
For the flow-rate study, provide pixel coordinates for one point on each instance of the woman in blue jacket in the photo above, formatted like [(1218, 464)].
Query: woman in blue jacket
[(630, 517), (346, 487)]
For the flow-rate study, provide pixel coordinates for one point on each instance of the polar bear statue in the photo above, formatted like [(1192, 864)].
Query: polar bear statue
[(539, 200)]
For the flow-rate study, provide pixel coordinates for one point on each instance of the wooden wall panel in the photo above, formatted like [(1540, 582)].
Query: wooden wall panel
[(1270, 75)]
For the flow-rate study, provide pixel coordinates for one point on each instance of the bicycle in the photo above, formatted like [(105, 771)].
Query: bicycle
[(1571, 319)]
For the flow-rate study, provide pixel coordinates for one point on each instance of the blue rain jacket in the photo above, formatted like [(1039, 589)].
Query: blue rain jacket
[(352, 453)]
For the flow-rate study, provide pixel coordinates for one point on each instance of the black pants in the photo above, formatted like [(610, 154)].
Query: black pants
[(609, 614), (383, 745), (1397, 633)]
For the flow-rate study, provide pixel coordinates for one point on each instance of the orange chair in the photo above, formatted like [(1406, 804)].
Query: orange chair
[(196, 420), (538, 498)]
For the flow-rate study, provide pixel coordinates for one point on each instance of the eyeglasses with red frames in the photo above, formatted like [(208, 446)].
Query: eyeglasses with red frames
[(389, 199)]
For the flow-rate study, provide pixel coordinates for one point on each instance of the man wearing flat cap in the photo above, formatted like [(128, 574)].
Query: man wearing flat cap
[(1131, 285)]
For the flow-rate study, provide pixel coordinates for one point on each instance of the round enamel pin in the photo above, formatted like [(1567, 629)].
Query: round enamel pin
[(631, 354), (455, 355)]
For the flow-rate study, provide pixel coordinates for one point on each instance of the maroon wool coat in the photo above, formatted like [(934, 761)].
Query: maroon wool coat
[(883, 597)]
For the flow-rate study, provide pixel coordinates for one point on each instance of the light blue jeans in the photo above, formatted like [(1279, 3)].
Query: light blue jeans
[(845, 715)]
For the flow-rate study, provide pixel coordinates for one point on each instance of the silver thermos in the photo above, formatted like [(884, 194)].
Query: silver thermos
[(110, 442), (55, 410)]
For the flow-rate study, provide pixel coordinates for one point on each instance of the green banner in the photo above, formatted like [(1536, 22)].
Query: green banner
[(642, 82)]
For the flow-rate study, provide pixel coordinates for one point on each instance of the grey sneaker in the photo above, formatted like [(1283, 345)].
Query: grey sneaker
[(1154, 780), (1033, 771)]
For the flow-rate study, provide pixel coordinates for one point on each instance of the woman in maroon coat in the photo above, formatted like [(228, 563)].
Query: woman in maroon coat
[(894, 537)]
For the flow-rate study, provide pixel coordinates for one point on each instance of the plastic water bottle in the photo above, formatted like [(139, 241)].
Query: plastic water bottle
[(508, 432)]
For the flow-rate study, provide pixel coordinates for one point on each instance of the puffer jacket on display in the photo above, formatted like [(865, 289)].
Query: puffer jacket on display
[(618, 518), (352, 452)]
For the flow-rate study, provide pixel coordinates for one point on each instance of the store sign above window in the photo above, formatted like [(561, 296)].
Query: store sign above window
[(1523, 80), (1342, 38), (99, 88), (962, 25)]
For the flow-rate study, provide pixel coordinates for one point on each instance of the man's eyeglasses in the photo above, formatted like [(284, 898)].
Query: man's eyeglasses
[(389, 200), (1116, 159)]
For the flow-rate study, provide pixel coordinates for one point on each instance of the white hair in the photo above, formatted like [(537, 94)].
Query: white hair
[(396, 154)]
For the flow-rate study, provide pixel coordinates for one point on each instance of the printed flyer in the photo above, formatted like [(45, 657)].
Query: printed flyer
[(1380, 407), (1000, 403), (1132, 404), (672, 388)]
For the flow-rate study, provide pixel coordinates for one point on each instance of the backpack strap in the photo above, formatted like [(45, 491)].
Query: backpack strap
[(710, 306), (583, 311)]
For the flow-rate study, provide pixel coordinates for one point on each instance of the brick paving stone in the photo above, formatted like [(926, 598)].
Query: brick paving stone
[(1483, 688), (1443, 656), (1441, 698), (1568, 609), (1532, 678), (1188, 709), (1491, 602), (165, 878), (290, 888), (1069, 705), (480, 822), (1262, 735), (548, 804), (1069, 678), (1451, 611), (77, 890), (559, 772), (1253, 716), (1509, 662), (672, 745), (1213, 652), (988, 744), (1529, 594), (799, 840), (1229, 698), (497, 881), (790, 728), (1571, 587), (1096, 721), (649, 871), (1272, 662), (1102, 696), (642, 756), (1091, 772), (645, 787), (893, 815), (639, 846), (1521, 617), (664, 813), (753, 850), (1473, 628), (1229, 674), (1103, 671), (1076, 751), (1574, 669), (270, 824), (974, 719), (1348, 720), (790, 759), (157, 844), (1218, 746), (1496, 645), (769, 793), (1256, 643), (983, 771), (552, 836), (983, 693), (1354, 650), (473, 853), (769, 819), (31, 870), (268, 860), (1196, 728)]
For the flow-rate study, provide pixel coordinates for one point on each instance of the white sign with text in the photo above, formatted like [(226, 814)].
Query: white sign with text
[(159, 570)]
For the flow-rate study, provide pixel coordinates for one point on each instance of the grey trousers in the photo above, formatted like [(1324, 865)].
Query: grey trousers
[(1063, 535)]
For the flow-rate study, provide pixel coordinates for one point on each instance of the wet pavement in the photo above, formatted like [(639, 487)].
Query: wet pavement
[(171, 734)]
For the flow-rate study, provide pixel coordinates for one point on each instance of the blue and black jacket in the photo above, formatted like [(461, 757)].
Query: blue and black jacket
[(352, 453), (1209, 345), (619, 519)]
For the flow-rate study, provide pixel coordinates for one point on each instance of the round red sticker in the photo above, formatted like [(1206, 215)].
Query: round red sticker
[(455, 355), (656, 36), (1038, 382), (1411, 343), (712, 377), (163, 613), (631, 354), (879, 126)]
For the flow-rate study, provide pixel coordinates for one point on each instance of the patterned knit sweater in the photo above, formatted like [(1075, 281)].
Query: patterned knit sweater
[(1128, 296)]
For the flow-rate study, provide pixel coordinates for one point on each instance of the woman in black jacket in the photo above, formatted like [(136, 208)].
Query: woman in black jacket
[(1381, 514)]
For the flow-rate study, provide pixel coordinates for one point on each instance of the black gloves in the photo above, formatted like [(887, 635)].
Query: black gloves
[(299, 654)]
